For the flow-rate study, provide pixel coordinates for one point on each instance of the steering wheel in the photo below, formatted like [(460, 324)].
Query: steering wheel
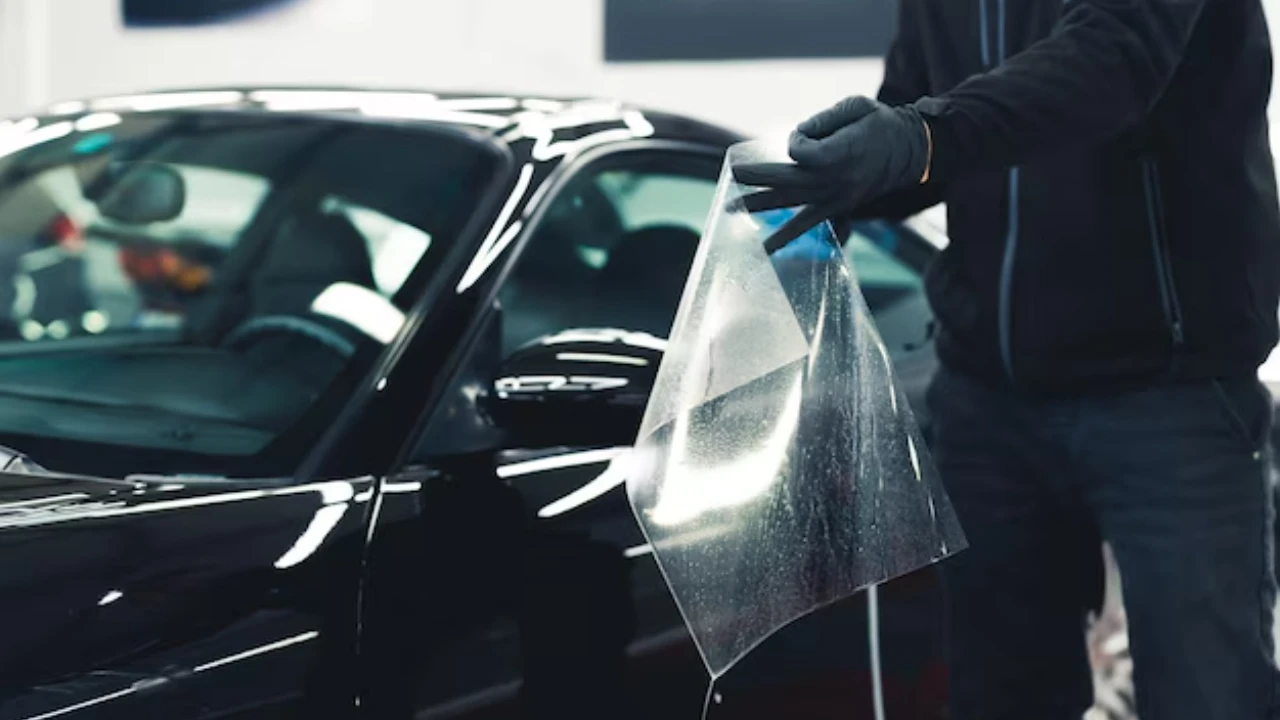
[(251, 330)]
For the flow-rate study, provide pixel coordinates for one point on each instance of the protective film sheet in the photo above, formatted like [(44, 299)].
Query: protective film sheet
[(778, 467)]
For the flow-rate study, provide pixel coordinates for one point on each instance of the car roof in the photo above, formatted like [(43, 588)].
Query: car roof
[(556, 124)]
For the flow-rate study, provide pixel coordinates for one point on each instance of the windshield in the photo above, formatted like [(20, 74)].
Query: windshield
[(196, 290)]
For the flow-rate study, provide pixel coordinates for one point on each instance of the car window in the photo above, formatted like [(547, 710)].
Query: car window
[(644, 197), (613, 250), (394, 246), (271, 251), (890, 264), (883, 277)]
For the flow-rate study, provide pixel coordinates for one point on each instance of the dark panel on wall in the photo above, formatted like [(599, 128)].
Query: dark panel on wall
[(640, 30), (167, 13)]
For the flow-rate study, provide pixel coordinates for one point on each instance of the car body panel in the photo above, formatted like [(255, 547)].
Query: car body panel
[(140, 595)]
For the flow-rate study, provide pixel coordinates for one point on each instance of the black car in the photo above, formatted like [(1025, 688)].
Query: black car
[(330, 427)]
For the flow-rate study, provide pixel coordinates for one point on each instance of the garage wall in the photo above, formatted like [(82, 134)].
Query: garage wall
[(59, 49), (550, 46)]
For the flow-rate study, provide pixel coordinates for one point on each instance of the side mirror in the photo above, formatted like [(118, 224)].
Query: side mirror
[(576, 387), (141, 193)]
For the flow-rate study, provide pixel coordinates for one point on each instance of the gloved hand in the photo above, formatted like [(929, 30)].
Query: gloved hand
[(852, 152)]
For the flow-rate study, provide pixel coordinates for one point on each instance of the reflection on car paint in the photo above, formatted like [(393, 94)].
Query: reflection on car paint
[(66, 511)]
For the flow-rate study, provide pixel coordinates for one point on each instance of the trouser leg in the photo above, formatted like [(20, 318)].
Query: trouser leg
[(1017, 597), (1181, 492)]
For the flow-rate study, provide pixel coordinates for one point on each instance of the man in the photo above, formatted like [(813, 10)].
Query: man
[(1111, 288)]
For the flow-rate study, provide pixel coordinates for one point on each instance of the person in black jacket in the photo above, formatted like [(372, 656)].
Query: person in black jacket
[(1110, 290)]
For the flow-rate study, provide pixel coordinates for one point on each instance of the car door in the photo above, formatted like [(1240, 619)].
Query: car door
[(570, 614)]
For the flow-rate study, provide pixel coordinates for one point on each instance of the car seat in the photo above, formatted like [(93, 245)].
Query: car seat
[(551, 277), (308, 254), (640, 286)]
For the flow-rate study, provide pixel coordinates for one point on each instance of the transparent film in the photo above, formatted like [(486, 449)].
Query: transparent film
[(779, 467)]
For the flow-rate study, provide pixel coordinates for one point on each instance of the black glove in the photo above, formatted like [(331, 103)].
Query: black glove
[(852, 152)]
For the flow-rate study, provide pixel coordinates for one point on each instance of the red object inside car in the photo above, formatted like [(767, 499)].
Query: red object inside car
[(64, 231)]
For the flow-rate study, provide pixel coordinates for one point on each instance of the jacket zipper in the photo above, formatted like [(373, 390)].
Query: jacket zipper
[(1160, 252), (984, 38), (1009, 258)]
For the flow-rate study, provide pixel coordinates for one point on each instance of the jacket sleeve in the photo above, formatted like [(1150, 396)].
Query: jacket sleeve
[(1102, 70), (906, 79), (901, 204), (906, 76)]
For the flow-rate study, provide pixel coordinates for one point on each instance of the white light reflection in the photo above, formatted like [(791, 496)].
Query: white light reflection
[(915, 459), (1269, 371), (31, 330), (542, 105), (253, 652), (168, 101), (12, 143), (499, 235), (110, 597), (555, 383), (82, 705), (402, 487), (689, 491), (18, 127), (433, 113), (542, 130), (361, 308), (116, 508), (58, 329), (336, 491), (636, 127), (615, 475), (43, 501), (638, 551), (68, 107), (602, 358), (322, 523), (24, 295), (97, 121), (485, 103), (408, 105), (888, 364), (337, 496), (607, 335), (95, 321), (286, 100), (558, 462)]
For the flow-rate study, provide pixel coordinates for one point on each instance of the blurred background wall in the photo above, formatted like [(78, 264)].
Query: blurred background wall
[(59, 49)]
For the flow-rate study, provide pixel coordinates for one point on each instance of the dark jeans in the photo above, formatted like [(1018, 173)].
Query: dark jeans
[(1174, 478)]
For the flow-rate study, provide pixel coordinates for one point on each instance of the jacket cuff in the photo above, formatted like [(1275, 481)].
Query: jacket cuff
[(945, 161)]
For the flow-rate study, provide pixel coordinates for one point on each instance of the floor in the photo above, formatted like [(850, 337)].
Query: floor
[(1109, 651)]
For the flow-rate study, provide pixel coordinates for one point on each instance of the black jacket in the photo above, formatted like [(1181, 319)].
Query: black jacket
[(1110, 188)]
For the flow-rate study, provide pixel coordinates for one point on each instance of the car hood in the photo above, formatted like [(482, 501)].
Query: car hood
[(25, 494)]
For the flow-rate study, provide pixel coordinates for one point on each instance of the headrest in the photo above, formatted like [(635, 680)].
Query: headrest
[(317, 248), (658, 254)]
